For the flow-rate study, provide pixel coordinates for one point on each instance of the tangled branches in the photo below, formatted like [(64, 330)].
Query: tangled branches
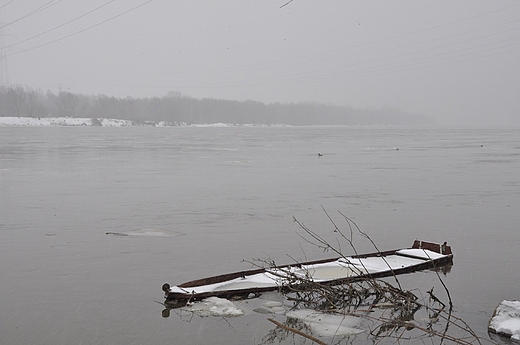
[(389, 312)]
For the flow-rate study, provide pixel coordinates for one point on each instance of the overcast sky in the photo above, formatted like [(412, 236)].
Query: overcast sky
[(458, 61)]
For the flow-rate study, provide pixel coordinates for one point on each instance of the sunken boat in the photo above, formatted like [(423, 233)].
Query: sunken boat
[(421, 255)]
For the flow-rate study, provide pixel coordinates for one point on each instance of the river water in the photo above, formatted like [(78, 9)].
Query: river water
[(181, 203)]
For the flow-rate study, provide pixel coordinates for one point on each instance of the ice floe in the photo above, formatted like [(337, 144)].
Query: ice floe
[(148, 232), (214, 306), (506, 320), (328, 325)]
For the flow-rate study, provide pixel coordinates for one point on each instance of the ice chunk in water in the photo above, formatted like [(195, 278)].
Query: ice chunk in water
[(327, 325), (214, 306)]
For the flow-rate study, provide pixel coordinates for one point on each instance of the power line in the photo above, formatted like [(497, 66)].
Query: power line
[(33, 12), (83, 30), (61, 25), (6, 4), (334, 75), (379, 69), (290, 60)]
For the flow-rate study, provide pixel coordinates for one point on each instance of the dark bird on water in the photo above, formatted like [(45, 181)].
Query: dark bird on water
[(319, 154)]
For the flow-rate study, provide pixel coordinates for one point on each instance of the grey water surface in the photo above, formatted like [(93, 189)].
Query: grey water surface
[(94, 220)]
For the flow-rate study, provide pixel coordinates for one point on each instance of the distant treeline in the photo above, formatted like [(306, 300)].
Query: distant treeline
[(21, 101)]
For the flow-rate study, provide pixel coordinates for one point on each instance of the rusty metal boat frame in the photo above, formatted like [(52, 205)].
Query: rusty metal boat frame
[(430, 255)]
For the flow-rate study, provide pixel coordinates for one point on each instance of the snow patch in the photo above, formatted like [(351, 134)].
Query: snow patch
[(420, 253), (44, 121), (70, 121)]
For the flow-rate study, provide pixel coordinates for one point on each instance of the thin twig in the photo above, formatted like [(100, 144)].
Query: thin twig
[(392, 308), (294, 330)]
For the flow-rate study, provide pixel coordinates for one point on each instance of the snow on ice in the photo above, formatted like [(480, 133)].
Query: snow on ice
[(506, 320)]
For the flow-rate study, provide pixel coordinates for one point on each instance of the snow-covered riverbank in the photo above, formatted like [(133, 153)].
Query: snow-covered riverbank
[(101, 122), (69, 121)]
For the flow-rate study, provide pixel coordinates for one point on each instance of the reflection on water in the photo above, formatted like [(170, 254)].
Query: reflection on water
[(291, 331)]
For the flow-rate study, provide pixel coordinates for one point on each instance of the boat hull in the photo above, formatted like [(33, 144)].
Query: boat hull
[(421, 256)]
